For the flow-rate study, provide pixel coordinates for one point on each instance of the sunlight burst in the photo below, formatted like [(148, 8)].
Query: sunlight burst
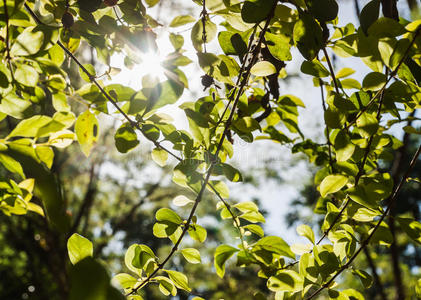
[(151, 65)]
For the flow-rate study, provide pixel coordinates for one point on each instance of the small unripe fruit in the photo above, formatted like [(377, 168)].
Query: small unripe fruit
[(67, 20), (110, 2), (207, 81)]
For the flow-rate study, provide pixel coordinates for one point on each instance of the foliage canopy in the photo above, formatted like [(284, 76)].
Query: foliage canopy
[(44, 110)]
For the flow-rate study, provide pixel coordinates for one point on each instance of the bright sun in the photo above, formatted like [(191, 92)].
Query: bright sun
[(151, 65)]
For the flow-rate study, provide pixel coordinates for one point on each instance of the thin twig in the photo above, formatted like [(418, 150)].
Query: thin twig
[(380, 288), (332, 72), (6, 15), (329, 143), (7, 40), (391, 75), (359, 174), (364, 244), (204, 15)]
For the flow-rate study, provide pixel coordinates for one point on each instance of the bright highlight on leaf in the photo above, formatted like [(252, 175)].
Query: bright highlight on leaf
[(78, 248), (181, 201), (332, 183), (263, 68), (87, 131)]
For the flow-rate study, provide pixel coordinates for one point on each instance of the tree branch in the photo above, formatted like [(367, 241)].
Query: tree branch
[(87, 199), (329, 143), (391, 75), (213, 161), (377, 281), (364, 244), (394, 249), (332, 72)]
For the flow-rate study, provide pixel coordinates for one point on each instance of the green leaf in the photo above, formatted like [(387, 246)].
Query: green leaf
[(256, 229), (314, 68), (374, 81), (144, 258), (369, 14), (308, 36), (359, 195), (151, 3), (344, 72), (253, 217), (86, 129), (229, 171), (263, 68), (221, 188), (382, 236), (255, 11), (222, 254), (365, 278), (177, 41), (166, 214), (197, 33), (166, 286), (279, 46), (125, 138), (413, 26), (181, 201), (365, 215), (306, 231), (167, 92), (46, 187), (61, 139), (28, 42), (126, 281), (246, 124), (233, 43), (46, 155), (191, 255), (368, 124), (91, 70), (323, 10), (344, 149), (386, 27), (30, 127), (197, 233), (26, 75), (179, 279), (276, 245), (411, 227), (246, 206), (11, 164), (78, 248), (166, 229), (89, 6), (350, 83), (418, 288), (90, 281), (331, 184), (182, 20), (285, 280)]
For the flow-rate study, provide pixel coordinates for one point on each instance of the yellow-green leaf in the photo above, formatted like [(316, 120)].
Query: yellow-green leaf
[(86, 129), (332, 184)]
